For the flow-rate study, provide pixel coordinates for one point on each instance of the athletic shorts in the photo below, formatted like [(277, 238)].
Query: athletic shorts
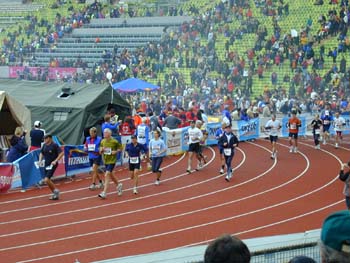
[(293, 135), (97, 161), (109, 167), (339, 133), (326, 128), (194, 147), (273, 138), (134, 166), (49, 172), (156, 162)]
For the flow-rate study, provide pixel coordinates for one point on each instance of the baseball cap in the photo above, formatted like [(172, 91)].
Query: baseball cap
[(37, 123), (133, 137), (335, 231), (326, 112)]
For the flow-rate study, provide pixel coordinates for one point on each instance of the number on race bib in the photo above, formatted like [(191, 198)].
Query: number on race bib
[(227, 151), (91, 147), (317, 131), (134, 159), (107, 151)]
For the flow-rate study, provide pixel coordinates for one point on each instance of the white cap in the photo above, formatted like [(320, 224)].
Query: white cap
[(37, 124), (326, 112)]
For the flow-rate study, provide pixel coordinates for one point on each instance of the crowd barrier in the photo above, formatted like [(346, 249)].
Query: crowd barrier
[(23, 173)]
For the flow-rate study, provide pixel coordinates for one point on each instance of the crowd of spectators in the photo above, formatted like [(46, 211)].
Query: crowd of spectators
[(234, 77)]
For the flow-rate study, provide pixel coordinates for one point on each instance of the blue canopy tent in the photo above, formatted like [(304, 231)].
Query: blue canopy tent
[(134, 85)]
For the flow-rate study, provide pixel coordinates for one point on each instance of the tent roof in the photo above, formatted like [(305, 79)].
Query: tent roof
[(134, 85), (37, 93)]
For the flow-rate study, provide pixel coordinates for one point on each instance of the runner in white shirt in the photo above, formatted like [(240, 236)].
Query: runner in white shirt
[(195, 135), (339, 124), (273, 126)]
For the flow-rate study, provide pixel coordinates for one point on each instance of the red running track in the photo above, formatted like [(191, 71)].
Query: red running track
[(265, 197)]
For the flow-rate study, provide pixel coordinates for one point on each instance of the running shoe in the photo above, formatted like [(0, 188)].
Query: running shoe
[(227, 178), (55, 195), (120, 189), (92, 187), (135, 190), (336, 145), (221, 171), (157, 182), (102, 195), (100, 185)]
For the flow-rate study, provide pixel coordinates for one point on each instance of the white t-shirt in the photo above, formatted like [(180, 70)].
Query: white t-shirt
[(274, 127), (339, 123), (194, 135)]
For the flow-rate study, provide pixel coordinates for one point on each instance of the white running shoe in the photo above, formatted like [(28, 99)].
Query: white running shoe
[(295, 150), (102, 195), (336, 145), (157, 182), (221, 171), (135, 190), (92, 187), (291, 149), (227, 178), (324, 142), (120, 189), (100, 185)]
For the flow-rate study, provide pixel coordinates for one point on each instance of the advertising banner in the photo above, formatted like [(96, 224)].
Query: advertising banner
[(6, 173), (248, 130), (53, 73), (173, 141), (76, 160)]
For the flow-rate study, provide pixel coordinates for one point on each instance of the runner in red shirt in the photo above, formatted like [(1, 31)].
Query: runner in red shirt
[(294, 124)]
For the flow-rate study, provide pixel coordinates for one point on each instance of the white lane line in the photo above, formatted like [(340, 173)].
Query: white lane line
[(114, 203), (189, 228), (159, 219), (79, 189)]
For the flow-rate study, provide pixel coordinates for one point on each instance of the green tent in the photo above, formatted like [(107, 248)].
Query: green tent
[(66, 109)]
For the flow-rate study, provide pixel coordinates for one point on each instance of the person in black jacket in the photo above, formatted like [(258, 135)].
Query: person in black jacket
[(345, 177), (228, 142)]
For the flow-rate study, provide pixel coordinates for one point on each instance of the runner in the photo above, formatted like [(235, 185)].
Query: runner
[(228, 142), (92, 146), (157, 152), (142, 134), (273, 126), (109, 148), (195, 135), (327, 119), (133, 151), (316, 125), (293, 124), (219, 132), (339, 124)]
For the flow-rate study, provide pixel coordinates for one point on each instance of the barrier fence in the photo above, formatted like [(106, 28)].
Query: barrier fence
[(23, 173)]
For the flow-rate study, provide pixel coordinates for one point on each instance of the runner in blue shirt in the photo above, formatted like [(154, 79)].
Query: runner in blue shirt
[(219, 132), (327, 119), (157, 152), (134, 150), (142, 133)]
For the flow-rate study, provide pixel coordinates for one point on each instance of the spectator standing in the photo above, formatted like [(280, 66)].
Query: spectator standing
[(171, 121), (50, 154), (18, 144), (36, 136), (345, 177), (335, 238), (108, 125), (227, 249)]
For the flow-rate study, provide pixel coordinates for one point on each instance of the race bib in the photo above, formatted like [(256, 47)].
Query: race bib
[(91, 147), (134, 159), (107, 151), (317, 131), (227, 151), (326, 122), (293, 126)]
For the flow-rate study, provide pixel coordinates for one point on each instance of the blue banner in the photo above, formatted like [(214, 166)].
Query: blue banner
[(248, 130), (302, 129), (184, 138), (212, 128), (30, 175), (76, 160)]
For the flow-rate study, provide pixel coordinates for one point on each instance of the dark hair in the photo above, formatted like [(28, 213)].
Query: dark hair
[(227, 249)]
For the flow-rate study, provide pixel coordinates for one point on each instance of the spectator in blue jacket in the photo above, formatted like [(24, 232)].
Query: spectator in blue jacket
[(18, 147), (109, 125)]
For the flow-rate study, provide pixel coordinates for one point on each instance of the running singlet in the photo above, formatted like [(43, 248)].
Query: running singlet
[(294, 124)]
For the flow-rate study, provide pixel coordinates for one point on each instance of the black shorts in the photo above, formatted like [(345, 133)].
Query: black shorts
[(293, 135), (97, 161), (194, 147), (273, 138), (49, 172)]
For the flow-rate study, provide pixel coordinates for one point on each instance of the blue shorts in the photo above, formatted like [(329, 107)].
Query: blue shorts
[(293, 135), (156, 162), (109, 167), (97, 161), (326, 128)]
